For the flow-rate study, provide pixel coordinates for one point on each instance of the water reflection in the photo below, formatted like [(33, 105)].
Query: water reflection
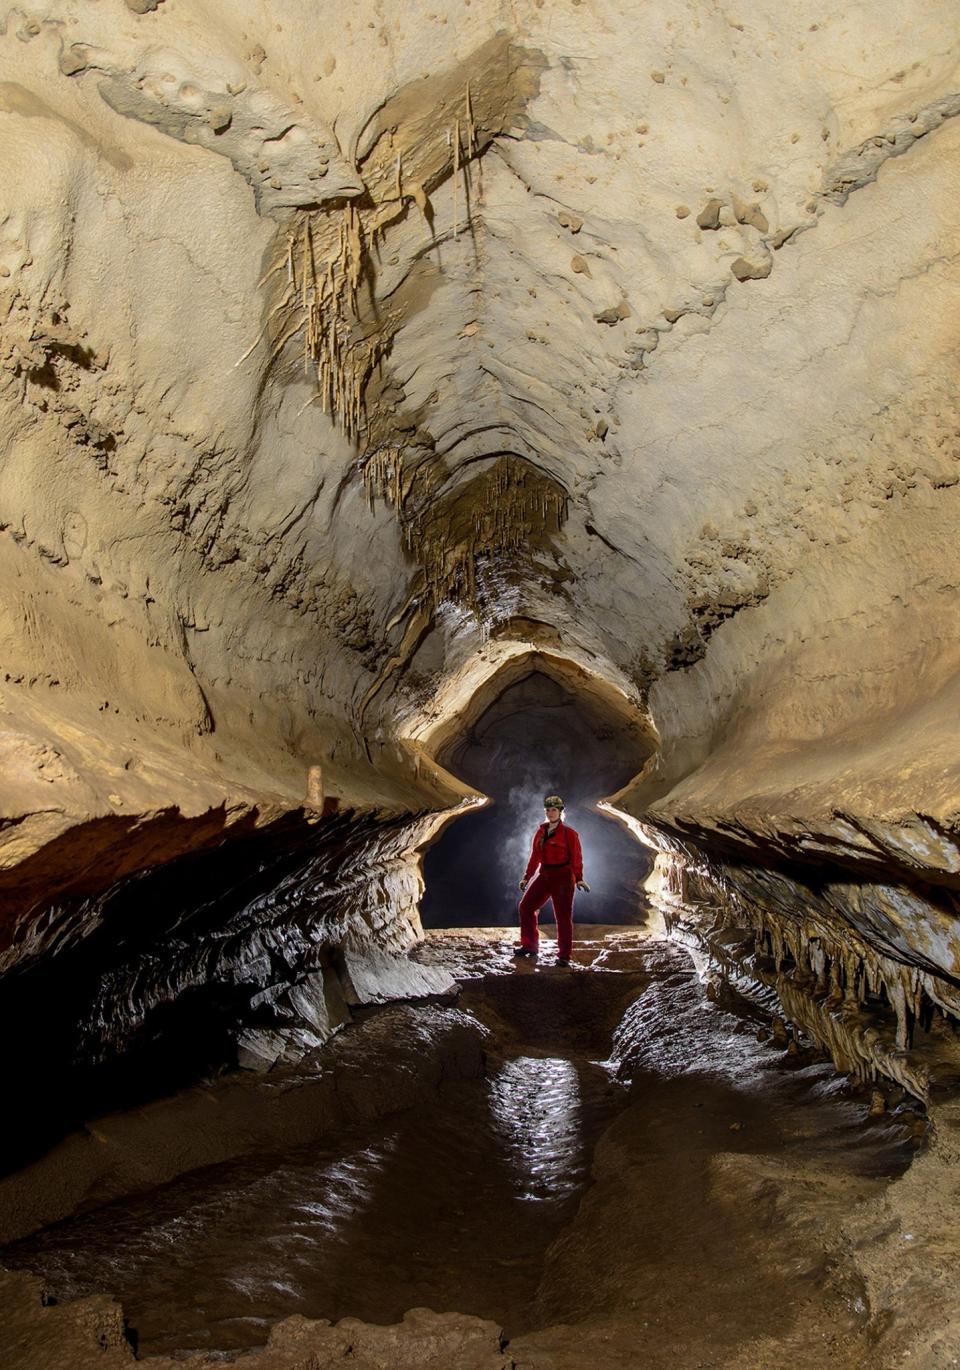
[(465, 1201), (419, 1216), (536, 1107), (256, 1245)]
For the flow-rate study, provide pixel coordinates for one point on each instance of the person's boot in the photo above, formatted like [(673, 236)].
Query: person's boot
[(520, 950), (563, 960)]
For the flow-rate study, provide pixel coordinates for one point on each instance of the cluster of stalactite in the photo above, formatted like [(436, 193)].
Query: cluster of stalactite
[(328, 252), (510, 506), (325, 305), (334, 348), (385, 474), (876, 1016)]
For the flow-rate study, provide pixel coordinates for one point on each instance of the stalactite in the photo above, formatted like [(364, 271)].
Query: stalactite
[(456, 173), (899, 1001), (776, 939), (828, 988), (472, 145), (834, 969)]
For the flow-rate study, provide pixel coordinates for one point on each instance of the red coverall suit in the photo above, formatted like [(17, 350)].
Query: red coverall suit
[(560, 859)]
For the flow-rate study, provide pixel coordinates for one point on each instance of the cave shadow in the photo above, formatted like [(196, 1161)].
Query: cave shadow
[(537, 736), (146, 984)]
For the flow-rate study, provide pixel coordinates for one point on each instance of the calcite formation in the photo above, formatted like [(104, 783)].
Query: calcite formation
[(346, 361)]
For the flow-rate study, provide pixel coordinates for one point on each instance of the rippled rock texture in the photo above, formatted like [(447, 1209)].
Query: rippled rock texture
[(251, 953)]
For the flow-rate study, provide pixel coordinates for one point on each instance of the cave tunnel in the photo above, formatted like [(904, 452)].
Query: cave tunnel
[(539, 736), (405, 412)]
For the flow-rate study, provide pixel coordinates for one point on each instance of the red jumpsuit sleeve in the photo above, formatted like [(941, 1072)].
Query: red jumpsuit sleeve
[(534, 861), (576, 854)]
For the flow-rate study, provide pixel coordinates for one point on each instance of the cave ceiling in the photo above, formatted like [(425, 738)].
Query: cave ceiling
[(347, 347)]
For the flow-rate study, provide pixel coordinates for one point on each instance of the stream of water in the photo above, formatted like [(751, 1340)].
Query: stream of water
[(462, 1205)]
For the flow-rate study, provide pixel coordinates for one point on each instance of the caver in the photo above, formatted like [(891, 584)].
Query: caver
[(556, 851)]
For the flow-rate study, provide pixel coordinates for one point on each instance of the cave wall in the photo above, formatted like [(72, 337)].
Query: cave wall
[(808, 759), (249, 952)]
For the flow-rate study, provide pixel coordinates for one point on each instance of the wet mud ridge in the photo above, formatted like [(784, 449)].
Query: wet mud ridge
[(622, 1174)]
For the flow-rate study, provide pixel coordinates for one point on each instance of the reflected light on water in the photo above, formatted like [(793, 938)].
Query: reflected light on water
[(236, 1246), (535, 1105)]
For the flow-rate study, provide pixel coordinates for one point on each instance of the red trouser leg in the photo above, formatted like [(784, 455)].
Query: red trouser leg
[(535, 896), (547, 885), (562, 894)]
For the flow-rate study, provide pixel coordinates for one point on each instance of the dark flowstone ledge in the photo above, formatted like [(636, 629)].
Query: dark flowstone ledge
[(248, 952)]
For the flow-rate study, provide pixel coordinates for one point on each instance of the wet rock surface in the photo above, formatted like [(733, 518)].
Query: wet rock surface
[(385, 1065), (634, 1175), (251, 952)]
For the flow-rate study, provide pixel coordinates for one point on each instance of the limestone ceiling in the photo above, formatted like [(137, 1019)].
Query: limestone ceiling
[(391, 321)]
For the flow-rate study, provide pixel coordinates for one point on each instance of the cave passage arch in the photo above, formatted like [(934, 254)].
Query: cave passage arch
[(538, 723)]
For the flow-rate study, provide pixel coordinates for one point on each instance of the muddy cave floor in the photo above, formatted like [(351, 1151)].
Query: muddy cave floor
[(600, 1161)]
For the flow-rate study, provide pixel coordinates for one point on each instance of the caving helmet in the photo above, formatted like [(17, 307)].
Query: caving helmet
[(552, 801)]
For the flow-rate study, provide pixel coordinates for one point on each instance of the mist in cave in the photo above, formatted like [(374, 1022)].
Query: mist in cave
[(538, 737)]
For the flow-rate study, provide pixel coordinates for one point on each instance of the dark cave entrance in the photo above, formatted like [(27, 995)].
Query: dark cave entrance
[(538, 735)]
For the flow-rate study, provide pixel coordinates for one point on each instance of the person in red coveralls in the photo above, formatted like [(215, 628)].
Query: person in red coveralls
[(556, 850)]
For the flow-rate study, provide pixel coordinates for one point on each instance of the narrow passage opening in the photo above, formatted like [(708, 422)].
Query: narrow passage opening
[(537, 737)]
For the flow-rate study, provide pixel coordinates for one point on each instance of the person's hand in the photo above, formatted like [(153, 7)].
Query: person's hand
[(582, 885), (523, 884)]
